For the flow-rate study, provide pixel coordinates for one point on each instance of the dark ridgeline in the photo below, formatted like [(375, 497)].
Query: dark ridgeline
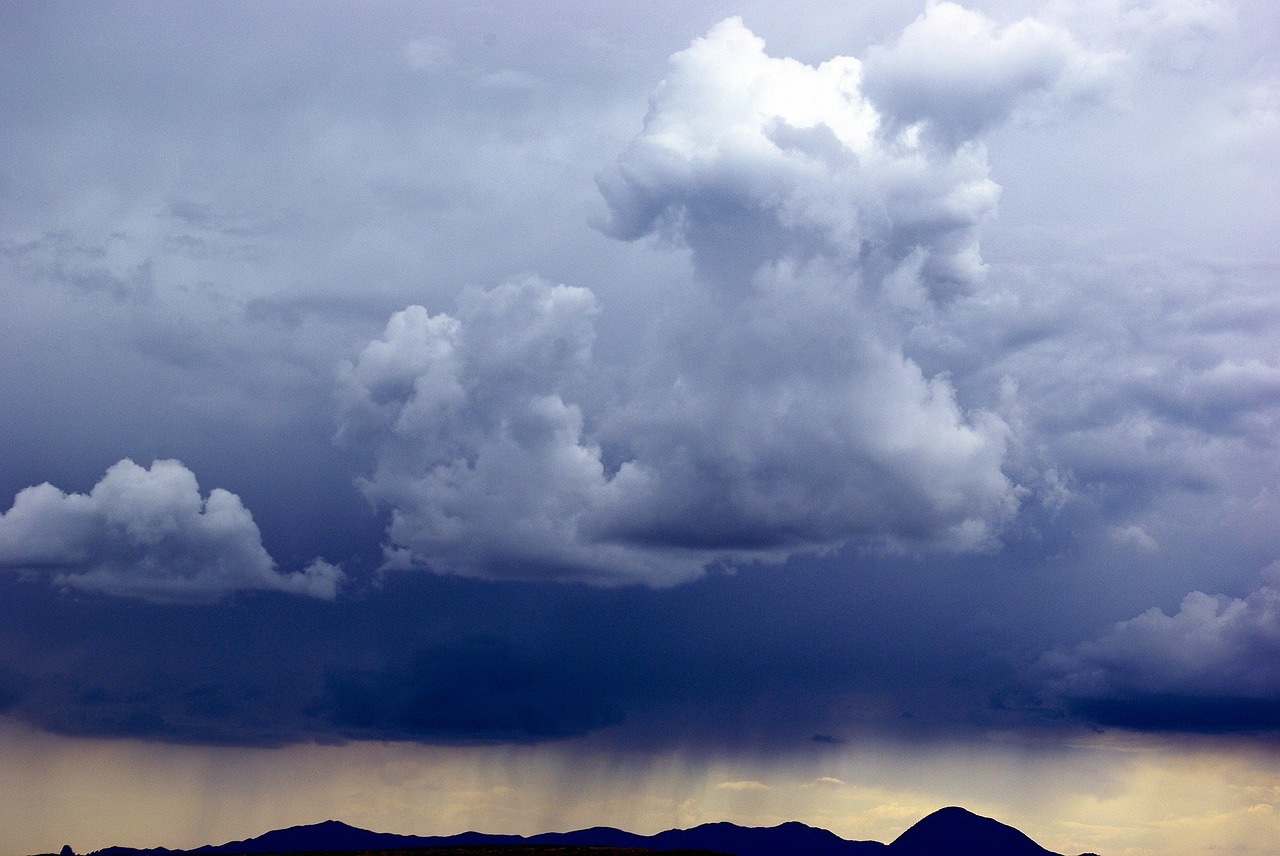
[(955, 832), (947, 832)]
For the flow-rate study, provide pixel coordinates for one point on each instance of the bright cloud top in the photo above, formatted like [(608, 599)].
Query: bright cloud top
[(954, 72), (148, 533), (774, 409)]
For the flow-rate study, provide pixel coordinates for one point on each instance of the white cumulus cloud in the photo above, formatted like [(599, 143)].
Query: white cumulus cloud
[(773, 410), (773, 407), (149, 534), (956, 72), (781, 409), (480, 457)]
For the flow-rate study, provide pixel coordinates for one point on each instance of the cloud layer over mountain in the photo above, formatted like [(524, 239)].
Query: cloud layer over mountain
[(696, 381)]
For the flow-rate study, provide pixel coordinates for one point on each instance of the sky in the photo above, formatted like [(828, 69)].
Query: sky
[(530, 416)]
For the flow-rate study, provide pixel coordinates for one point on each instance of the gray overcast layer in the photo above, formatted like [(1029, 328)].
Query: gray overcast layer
[(750, 378)]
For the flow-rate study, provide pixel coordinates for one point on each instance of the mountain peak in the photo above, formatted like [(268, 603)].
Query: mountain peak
[(331, 825), (325, 835), (953, 831)]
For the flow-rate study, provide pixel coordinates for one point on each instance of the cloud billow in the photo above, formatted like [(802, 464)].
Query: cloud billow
[(148, 534), (752, 160), (482, 460), (1213, 666), (954, 73), (773, 410)]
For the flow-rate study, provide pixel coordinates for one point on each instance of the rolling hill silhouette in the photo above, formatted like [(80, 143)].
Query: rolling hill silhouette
[(949, 831)]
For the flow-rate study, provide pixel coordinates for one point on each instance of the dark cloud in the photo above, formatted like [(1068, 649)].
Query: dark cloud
[(889, 466), (753, 663), (470, 689), (1178, 713), (1213, 666)]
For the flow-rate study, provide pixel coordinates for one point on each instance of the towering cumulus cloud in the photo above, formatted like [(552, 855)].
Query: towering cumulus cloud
[(479, 455), (148, 533), (774, 409)]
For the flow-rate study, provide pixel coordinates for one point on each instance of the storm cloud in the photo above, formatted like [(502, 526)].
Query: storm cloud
[(1214, 665), (656, 384)]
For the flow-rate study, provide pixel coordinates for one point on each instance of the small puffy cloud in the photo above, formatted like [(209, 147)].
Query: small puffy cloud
[(149, 534), (1254, 126), (1176, 33), (510, 79), (746, 785), (1136, 537), (430, 54), (826, 782), (1214, 665), (1168, 34), (956, 72)]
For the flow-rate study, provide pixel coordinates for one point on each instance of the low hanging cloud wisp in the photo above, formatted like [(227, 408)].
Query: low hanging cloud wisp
[(149, 534), (775, 410)]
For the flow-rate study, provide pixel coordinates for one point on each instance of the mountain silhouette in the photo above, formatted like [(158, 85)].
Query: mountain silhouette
[(953, 831), (329, 835), (949, 831)]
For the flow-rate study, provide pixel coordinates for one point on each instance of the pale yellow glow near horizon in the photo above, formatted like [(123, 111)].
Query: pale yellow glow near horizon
[(1118, 797)]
